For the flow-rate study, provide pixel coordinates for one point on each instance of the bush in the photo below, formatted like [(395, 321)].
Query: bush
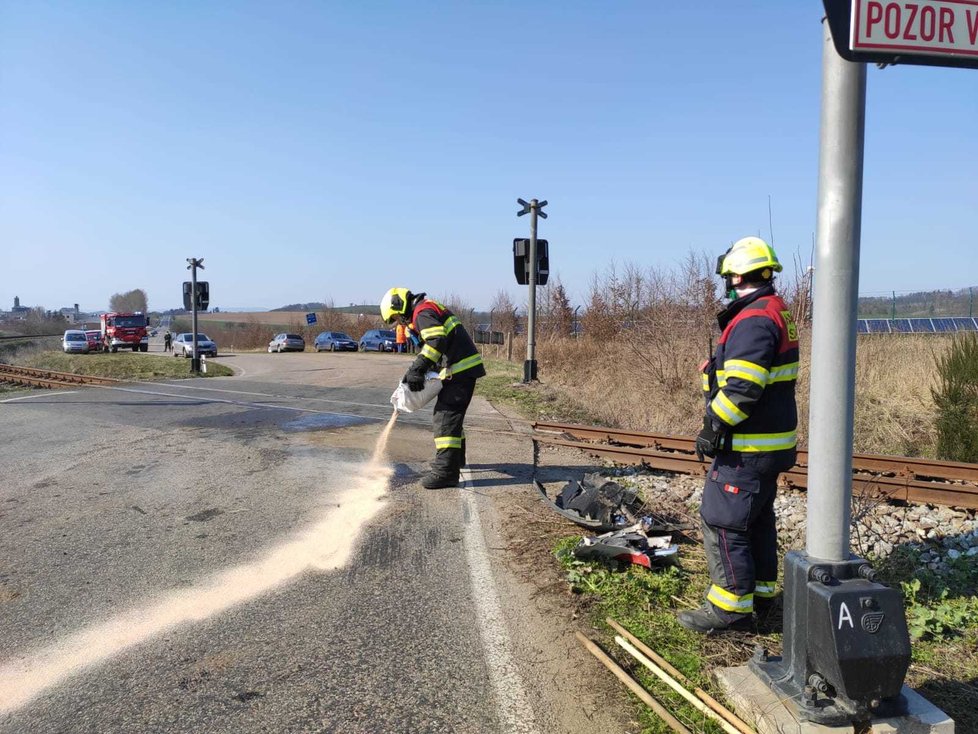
[(956, 399)]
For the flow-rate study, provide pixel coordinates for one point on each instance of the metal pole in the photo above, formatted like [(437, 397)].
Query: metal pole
[(530, 368), (195, 360), (840, 183)]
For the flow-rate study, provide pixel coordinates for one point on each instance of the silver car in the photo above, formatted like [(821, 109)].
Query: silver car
[(74, 341), (287, 343), (183, 345)]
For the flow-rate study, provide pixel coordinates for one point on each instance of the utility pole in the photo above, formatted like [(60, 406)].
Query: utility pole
[(194, 263), (534, 208)]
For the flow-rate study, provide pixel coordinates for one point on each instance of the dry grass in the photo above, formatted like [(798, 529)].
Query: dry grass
[(895, 413), (648, 382)]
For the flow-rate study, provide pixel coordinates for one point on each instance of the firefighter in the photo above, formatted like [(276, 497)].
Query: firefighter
[(750, 433), (447, 348)]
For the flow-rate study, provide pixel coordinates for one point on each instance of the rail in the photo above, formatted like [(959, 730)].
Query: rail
[(904, 478), (33, 377)]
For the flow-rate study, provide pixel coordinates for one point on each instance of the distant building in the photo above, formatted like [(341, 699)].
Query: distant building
[(72, 315)]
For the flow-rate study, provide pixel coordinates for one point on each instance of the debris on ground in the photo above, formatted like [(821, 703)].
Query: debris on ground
[(596, 502), (630, 545)]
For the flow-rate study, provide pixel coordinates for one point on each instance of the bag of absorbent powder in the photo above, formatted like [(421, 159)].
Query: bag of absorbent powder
[(405, 401)]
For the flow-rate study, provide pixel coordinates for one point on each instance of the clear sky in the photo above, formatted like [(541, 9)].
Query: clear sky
[(314, 150)]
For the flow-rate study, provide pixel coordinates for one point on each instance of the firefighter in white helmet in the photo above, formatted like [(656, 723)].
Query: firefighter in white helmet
[(750, 433)]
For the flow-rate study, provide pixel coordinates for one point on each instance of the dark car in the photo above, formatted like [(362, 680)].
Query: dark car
[(287, 343), (377, 340), (334, 341)]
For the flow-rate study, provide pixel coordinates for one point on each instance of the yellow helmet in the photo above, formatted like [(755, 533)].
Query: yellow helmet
[(394, 304), (748, 255)]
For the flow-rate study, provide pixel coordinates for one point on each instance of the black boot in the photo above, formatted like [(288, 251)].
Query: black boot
[(706, 620), (767, 610), (437, 480)]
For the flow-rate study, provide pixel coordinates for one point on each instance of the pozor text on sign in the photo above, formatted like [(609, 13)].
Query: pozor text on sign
[(928, 27)]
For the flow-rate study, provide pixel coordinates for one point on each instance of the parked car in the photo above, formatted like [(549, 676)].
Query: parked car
[(379, 340), (287, 343), (183, 345), (94, 340), (334, 341), (74, 341)]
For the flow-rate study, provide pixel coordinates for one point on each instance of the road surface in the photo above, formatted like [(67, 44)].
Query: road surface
[(229, 555)]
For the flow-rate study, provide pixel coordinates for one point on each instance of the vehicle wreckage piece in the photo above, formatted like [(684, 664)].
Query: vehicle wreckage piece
[(602, 505), (630, 545), (595, 502)]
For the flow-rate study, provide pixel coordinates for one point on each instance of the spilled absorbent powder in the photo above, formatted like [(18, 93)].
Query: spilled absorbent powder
[(325, 545), (381, 446)]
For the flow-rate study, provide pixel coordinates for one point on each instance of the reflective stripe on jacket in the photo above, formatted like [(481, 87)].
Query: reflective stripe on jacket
[(750, 382), (446, 343)]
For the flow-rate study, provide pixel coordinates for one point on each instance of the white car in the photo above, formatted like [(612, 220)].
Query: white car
[(74, 341)]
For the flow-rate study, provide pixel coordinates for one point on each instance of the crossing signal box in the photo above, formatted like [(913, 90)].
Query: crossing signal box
[(521, 261), (203, 295)]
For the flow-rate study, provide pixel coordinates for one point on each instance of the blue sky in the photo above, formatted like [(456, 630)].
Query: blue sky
[(313, 150)]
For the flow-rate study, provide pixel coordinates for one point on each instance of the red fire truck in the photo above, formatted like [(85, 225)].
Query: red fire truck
[(125, 331)]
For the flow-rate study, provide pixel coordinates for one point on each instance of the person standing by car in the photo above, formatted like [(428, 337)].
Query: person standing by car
[(167, 341), (750, 432), (400, 338), (448, 346)]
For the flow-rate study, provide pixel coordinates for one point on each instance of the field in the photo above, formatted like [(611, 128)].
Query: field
[(651, 384)]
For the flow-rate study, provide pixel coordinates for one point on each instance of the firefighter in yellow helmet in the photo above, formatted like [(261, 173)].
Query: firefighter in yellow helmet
[(749, 432), (448, 349)]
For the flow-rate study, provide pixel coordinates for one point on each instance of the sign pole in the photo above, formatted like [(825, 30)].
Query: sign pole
[(192, 267), (535, 209), (833, 376)]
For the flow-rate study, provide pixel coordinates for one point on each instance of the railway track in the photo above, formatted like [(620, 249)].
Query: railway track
[(32, 377), (919, 481)]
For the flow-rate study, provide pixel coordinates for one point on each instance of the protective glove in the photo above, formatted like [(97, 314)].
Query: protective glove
[(709, 440), (414, 377)]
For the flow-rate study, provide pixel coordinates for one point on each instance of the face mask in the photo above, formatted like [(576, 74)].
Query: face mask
[(731, 291)]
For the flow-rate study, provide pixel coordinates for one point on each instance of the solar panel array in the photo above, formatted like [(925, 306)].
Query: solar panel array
[(943, 325)]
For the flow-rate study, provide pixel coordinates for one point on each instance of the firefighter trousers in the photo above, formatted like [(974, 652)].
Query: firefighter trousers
[(740, 532), (449, 415)]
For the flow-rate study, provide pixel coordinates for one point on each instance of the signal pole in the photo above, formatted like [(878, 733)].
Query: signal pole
[(194, 263), (534, 208)]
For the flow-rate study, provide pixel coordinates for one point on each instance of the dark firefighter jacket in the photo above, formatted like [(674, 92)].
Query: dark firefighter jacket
[(446, 342), (750, 382)]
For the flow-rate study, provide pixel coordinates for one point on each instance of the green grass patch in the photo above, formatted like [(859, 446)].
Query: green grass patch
[(504, 385), (942, 617), (941, 608), (121, 366), (644, 602)]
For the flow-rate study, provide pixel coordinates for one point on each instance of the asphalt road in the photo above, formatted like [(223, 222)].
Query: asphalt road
[(225, 555)]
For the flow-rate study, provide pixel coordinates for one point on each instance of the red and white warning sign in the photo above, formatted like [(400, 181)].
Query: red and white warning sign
[(938, 28)]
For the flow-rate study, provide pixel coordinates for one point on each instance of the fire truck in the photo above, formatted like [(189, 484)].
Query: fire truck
[(125, 331)]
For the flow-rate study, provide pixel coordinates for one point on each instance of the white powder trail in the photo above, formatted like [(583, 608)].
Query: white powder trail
[(325, 545)]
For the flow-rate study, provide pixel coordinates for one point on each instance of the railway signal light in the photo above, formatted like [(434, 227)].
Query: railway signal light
[(521, 261), (203, 295)]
